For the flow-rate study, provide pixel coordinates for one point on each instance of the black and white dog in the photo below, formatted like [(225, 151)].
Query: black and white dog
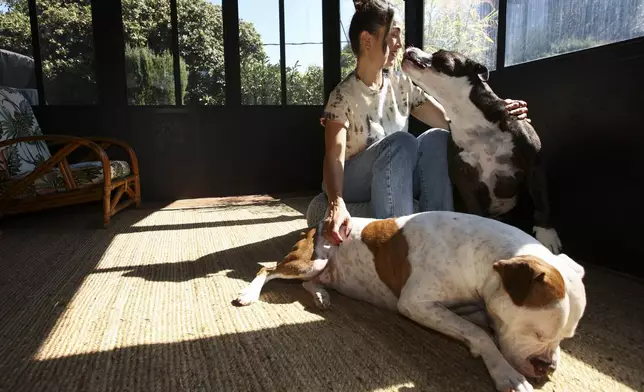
[(493, 156)]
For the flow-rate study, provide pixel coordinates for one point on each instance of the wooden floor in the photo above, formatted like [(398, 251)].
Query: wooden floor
[(145, 305)]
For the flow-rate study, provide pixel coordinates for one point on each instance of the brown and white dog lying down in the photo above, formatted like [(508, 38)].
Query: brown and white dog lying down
[(459, 274)]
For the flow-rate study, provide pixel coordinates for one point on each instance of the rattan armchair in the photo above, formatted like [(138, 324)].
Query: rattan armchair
[(33, 179)]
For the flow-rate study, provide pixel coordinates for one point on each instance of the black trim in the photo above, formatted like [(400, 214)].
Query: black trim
[(414, 19), (282, 52), (109, 53), (35, 44), (501, 35), (174, 21), (232, 67), (331, 45)]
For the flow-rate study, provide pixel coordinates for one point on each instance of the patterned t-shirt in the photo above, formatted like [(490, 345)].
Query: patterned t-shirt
[(368, 114)]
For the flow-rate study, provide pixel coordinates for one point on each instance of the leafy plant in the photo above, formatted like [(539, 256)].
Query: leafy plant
[(151, 77), (68, 63), (465, 26)]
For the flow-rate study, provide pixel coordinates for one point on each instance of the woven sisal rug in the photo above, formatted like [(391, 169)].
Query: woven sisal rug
[(145, 305)]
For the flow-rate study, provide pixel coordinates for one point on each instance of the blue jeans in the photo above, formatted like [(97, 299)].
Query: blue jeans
[(397, 169)]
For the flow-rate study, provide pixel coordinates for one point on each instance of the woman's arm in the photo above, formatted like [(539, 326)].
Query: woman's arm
[(335, 136), (432, 113)]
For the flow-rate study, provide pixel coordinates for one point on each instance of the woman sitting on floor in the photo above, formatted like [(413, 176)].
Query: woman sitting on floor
[(369, 153)]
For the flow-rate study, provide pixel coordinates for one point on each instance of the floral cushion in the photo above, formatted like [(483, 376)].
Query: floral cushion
[(18, 120), (84, 174)]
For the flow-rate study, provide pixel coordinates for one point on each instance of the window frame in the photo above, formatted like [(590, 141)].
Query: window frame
[(113, 69), (414, 22), (38, 59), (417, 11), (327, 20)]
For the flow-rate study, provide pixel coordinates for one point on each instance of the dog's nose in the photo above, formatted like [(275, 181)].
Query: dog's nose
[(543, 366)]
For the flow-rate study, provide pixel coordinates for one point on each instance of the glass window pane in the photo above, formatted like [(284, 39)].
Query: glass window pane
[(259, 48), (466, 26), (67, 49), (148, 53), (400, 6), (539, 29), (201, 47), (17, 67), (347, 58), (303, 36)]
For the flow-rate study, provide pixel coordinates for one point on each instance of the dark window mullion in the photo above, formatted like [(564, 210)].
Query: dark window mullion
[(500, 40), (232, 61), (414, 19), (331, 45), (282, 52), (176, 56), (35, 43)]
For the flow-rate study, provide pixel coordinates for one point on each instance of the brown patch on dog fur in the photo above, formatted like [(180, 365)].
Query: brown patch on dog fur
[(300, 259), (298, 262), (530, 281), (390, 250)]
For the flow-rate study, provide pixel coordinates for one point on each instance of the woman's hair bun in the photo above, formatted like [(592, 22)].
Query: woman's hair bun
[(366, 5), (361, 4)]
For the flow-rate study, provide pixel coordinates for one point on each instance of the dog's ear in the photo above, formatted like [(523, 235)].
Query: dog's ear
[(529, 281), (482, 71)]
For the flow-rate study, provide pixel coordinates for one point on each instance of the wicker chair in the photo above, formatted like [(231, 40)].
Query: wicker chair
[(33, 179)]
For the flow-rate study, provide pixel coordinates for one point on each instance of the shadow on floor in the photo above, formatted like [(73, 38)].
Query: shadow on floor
[(44, 258), (336, 354), (354, 347), (606, 337), (241, 263), (202, 225), (610, 337), (300, 204)]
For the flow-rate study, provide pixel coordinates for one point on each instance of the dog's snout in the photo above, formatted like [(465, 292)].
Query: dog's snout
[(543, 366), (417, 57)]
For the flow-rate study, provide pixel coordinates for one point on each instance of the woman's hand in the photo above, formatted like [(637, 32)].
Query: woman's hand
[(337, 219), (517, 108)]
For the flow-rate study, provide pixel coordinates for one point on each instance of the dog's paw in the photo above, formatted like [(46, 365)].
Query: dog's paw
[(322, 299), (509, 380), (549, 238), (247, 297), (320, 295), (475, 351)]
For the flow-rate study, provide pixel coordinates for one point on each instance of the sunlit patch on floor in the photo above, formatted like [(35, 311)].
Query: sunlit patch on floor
[(146, 305)]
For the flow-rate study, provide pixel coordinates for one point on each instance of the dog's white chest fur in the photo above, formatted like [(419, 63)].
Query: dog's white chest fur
[(485, 148), (490, 153)]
